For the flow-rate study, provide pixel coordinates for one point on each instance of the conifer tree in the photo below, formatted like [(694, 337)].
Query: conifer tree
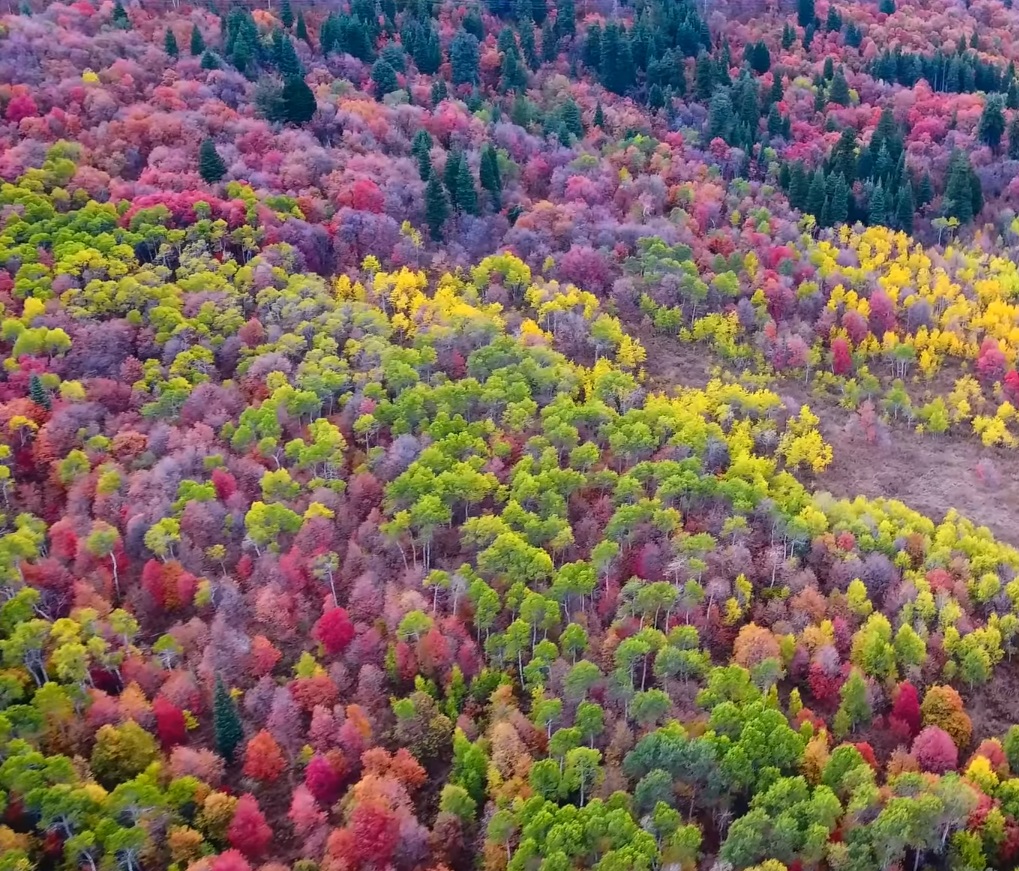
[(436, 206), (958, 200), (302, 28), (421, 148), (210, 165), (815, 195), (992, 122), (286, 15), (226, 722), (384, 78), (805, 13), (599, 117), (299, 104), (878, 206), (197, 43), (38, 393), (839, 90), (450, 177), (170, 43), (904, 208), (1013, 138), (466, 193), (491, 180), (209, 61)]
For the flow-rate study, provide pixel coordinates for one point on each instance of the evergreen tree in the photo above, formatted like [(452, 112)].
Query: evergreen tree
[(599, 117), (776, 124), (833, 23), (299, 104), (451, 176), (854, 36), (170, 43), (565, 19), (878, 213), (992, 122), (466, 193), (805, 13), (436, 206), (904, 210), (529, 49), (209, 61), (210, 165), (777, 90), (1012, 97), (464, 58), (958, 199), (1013, 138), (226, 722), (615, 66), (760, 58), (38, 393), (513, 76), (421, 148), (591, 54), (120, 18), (491, 179), (302, 28), (571, 119), (384, 79), (799, 187), (838, 211), (887, 7), (839, 90), (925, 192), (286, 14), (704, 77), (788, 36), (815, 195), (829, 69), (439, 91), (286, 58), (197, 43), (720, 115)]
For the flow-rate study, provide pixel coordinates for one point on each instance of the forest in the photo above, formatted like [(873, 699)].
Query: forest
[(416, 427)]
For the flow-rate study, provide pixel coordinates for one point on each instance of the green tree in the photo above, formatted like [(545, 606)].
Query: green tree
[(599, 117), (226, 722), (838, 92), (299, 104), (992, 122), (170, 43), (464, 57), (383, 78), (302, 28), (436, 206), (121, 752), (878, 213), (1013, 137), (210, 165), (286, 15), (805, 13), (38, 393), (958, 199), (466, 194), (491, 179), (815, 195), (197, 43)]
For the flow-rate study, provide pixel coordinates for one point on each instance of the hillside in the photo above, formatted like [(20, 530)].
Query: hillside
[(516, 436)]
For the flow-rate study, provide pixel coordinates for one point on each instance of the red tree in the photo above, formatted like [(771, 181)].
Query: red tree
[(334, 630), (263, 759), (935, 750), (170, 724), (248, 830)]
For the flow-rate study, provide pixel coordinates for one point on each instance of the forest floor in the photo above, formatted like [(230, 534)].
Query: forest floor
[(930, 474)]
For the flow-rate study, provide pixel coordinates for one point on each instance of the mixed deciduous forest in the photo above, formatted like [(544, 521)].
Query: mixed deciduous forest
[(419, 422)]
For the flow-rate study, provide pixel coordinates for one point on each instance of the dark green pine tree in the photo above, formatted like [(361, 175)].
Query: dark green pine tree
[(704, 77), (210, 165), (958, 199), (808, 37), (815, 195), (299, 104), (197, 43), (466, 192), (436, 206), (829, 69), (286, 14), (776, 124), (799, 187), (591, 53), (421, 148), (878, 213), (439, 91), (38, 393), (450, 177), (464, 58), (887, 7), (833, 23), (904, 210), (777, 91), (616, 64), (170, 43), (788, 36), (513, 75), (925, 191), (838, 210), (287, 61), (760, 58), (120, 18), (805, 13), (566, 18), (209, 61), (571, 119), (1013, 138), (992, 122), (384, 79), (302, 28), (1012, 97), (784, 176), (599, 117), (839, 90), (491, 178), (226, 722)]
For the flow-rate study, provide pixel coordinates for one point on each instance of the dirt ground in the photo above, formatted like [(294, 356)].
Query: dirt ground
[(930, 474)]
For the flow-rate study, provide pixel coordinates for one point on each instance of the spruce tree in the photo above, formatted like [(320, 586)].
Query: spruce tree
[(464, 58), (777, 91), (805, 13), (878, 206), (992, 122), (384, 79), (466, 193), (1013, 138), (491, 179), (704, 77), (226, 722), (450, 177), (799, 187), (302, 28), (904, 211), (570, 115), (839, 90), (287, 61), (210, 164), (436, 206), (838, 210), (815, 195), (197, 43), (209, 61), (170, 43), (120, 18), (421, 148), (286, 15), (599, 117), (299, 104), (925, 191), (38, 393), (958, 199), (566, 18), (788, 36)]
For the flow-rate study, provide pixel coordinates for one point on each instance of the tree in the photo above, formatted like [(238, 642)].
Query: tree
[(383, 78), (491, 180), (263, 759), (302, 28), (805, 13), (436, 206), (170, 44), (286, 15), (197, 43), (248, 830), (466, 198), (299, 104), (210, 165), (227, 722), (958, 200), (38, 393), (121, 752), (839, 90), (935, 750), (464, 58), (992, 122)]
